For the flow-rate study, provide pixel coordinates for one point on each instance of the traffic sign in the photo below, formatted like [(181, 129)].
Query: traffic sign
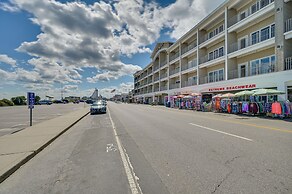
[(30, 99)]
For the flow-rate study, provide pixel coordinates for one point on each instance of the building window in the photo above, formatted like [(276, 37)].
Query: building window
[(215, 76), (243, 70), (265, 65), (255, 37), (242, 43), (272, 30), (221, 52), (211, 34), (210, 56), (255, 7), (264, 3), (221, 28), (255, 67), (243, 15), (216, 54), (265, 33)]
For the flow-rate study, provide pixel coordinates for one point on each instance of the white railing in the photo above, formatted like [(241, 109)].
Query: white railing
[(189, 83), (174, 71), (189, 47), (238, 46), (162, 88), (288, 25), (288, 63), (239, 17), (173, 86), (206, 58), (189, 65), (163, 63), (163, 75), (155, 68), (207, 37), (173, 57), (263, 69)]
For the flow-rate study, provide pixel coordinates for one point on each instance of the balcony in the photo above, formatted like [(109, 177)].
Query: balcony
[(163, 88), (163, 63), (189, 83), (156, 89), (264, 69), (207, 40), (214, 60), (254, 13), (174, 86), (288, 29), (149, 81), (156, 79), (155, 68), (288, 63), (173, 57), (188, 48), (236, 49), (173, 71), (189, 65), (163, 76)]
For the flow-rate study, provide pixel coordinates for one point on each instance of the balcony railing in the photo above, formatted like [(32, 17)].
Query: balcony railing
[(264, 69), (189, 65), (206, 58), (173, 86), (189, 83), (156, 79), (156, 89), (174, 71), (288, 63), (149, 72), (207, 37), (155, 68), (171, 58), (239, 17), (163, 75), (189, 47), (288, 25), (149, 81), (163, 63), (162, 88), (238, 46)]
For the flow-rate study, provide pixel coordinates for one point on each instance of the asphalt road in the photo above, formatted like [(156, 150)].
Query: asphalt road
[(168, 151), (14, 118)]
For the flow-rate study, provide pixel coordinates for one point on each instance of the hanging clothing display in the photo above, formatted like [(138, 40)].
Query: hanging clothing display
[(276, 108), (244, 107), (253, 108)]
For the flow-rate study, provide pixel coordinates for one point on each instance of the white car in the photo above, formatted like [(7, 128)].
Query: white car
[(98, 107)]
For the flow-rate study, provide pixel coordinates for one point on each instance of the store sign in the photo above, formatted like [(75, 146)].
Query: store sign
[(227, 88)]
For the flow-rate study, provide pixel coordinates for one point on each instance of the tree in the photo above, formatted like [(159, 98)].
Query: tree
[(7, 102), (19, 100), (37, 99)]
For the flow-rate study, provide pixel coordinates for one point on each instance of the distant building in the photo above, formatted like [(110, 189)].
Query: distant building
[(72, 98), (95, 96)]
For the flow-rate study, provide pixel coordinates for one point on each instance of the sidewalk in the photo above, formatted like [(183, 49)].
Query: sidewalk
[(18, 148)]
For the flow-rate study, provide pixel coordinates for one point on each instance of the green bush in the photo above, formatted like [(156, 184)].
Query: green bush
[(19, 100), (7, 102), (2, 103)]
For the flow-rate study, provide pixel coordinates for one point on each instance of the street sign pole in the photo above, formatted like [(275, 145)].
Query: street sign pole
[(30, 100)]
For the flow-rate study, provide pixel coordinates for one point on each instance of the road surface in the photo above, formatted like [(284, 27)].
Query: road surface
[(167, 150)]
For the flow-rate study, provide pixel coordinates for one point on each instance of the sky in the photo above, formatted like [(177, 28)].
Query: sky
[(49, 46)]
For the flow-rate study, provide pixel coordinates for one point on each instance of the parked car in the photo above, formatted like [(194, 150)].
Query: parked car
[(47, 102), (98, 107)]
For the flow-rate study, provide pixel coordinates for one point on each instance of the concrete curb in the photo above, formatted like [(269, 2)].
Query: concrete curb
[(34, 153)]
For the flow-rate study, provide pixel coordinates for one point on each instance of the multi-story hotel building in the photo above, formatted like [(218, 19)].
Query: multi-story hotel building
[(240, 45)]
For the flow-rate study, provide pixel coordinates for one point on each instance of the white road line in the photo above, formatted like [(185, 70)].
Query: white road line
[(135, 188), (230, 134)]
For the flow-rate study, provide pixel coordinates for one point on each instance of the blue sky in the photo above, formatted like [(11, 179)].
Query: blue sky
[(73, 46)]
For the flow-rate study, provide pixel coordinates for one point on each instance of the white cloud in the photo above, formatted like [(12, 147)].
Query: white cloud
[(7, 60), (75, 35), (8, 7)]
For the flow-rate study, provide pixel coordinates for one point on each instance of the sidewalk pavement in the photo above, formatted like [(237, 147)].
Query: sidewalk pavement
[(18, 148)]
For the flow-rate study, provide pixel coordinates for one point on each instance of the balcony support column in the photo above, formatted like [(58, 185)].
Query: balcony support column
[(279, 38), (226, 43)]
